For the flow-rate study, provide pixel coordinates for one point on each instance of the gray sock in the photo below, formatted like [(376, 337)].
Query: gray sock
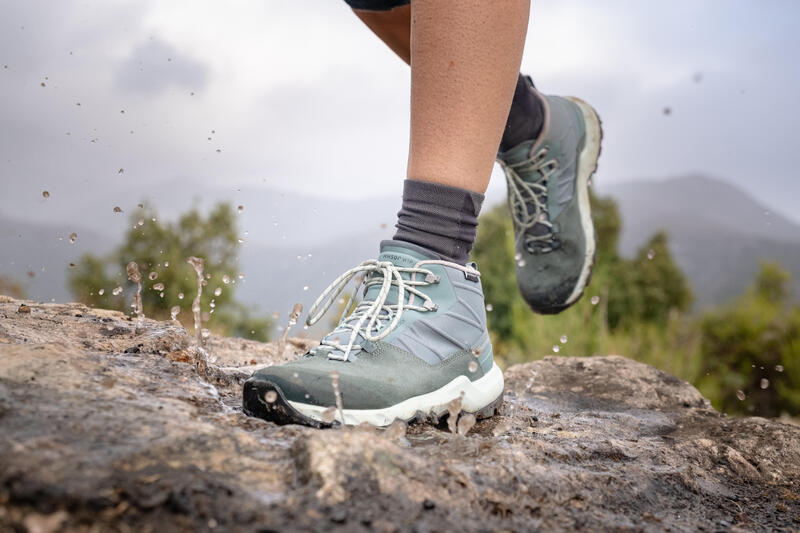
[(440, 218)]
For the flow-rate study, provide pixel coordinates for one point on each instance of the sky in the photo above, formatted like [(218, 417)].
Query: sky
[(299, 96)]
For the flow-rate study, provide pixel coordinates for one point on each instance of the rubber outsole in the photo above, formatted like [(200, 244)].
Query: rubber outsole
[(281, 411)]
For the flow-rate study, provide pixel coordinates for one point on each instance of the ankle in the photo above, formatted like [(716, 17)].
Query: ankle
[(526, 117)]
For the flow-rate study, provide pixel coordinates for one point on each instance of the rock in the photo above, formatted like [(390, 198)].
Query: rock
[(96, 438)]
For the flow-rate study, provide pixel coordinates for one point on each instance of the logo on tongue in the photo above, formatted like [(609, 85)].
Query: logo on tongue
[(397, 259)]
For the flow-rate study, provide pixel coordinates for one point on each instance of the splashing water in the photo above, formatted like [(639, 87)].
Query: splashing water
[(226, 279), (337, 394), (764, 383), (117, 209), (465, 423), (778, 368), (556, 348), (133, 274), (502, 427), (158, 287), (293, 316), (563, 339), (396, 430), (101, 292), (117, 291), (152, 275), (489, 307), (73, 237), (45, 194), (217, 291), (180, 296), (240, 208), (197, 264), (521, 263), (173, 313), (651, 254), (328, 415), (741, 395), (453, 408), (595, 300)]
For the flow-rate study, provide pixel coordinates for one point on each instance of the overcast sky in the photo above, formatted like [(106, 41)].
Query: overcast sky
[(299, 95)]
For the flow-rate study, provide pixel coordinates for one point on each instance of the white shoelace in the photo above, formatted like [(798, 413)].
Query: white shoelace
[(372, 319), (522, 195)]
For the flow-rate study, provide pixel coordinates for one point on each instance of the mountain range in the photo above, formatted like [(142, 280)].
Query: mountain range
[(295, 244)]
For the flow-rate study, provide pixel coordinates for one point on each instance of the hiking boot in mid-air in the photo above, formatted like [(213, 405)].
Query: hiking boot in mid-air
[(414, 343), (548, 194)]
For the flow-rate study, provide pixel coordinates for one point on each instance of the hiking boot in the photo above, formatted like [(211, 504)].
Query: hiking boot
[(416, 341), (548, 194)]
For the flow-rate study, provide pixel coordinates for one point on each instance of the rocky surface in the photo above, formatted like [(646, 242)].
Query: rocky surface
[(108, 427)]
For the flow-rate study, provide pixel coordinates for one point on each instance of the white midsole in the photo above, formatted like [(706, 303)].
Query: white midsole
[(587, 163), (476, 395)]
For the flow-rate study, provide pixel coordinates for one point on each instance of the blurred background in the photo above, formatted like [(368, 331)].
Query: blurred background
[(270, 138)]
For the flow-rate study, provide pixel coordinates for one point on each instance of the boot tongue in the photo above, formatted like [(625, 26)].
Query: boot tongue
[(402, 255)]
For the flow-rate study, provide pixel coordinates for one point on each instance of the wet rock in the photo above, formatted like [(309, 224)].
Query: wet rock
[(97, 438)]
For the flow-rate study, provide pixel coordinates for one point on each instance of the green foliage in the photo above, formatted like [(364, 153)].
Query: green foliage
[(756, 338), (161, 249)]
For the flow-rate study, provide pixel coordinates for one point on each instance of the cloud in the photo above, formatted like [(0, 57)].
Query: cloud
[(155, 65)]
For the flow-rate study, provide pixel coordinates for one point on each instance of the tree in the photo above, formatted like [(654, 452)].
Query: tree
[(751, 349), (161, 249)]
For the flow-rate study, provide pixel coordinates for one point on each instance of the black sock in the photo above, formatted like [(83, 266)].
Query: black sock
[(526, 118), (440, 218)]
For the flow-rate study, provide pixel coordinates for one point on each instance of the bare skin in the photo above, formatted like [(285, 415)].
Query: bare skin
[(465, 57)]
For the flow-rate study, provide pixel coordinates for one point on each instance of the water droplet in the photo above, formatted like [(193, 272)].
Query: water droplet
[(595, 300), (217, 291), (117, 209), (305, 287), (180, 296), (101, 292), (240, 276), (270, 396), (205, 333), (556, 348), (517, 256), (158, 287), (779, 368), (73, 237), (117, 291), (240, 240), (741, 395), (46, 194), (240, 208), (212, 304), (140, 222), (295, 375), (563, 339), (152, 275), (226, 279), (651, 254), (489, 307), (328, 415), (473, 366), (140, 206), (764, 383), (174, 312), (521, 263), (465, 423)]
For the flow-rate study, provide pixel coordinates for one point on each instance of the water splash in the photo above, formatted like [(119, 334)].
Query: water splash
[(564, 339), (778, 368), (117, 291), (158, 287), (73, 237), (173, 313), (489, 308), (556, 348), (741, 395), (465, 423), (502, 427), (217, 291), (337, 394), (396, 430), (101, 292), (226, 279), (198, 264), (328, 415), (133, 274), (453, 409), (293, 316), (152, 276), (764, 383), (595, 300), (651, 254), (45, 194), (117, 209)]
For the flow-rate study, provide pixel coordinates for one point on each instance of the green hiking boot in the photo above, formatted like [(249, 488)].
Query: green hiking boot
[(416, 341), (548, 194)]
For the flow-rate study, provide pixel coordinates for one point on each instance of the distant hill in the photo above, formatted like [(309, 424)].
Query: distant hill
[(718, 233)]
